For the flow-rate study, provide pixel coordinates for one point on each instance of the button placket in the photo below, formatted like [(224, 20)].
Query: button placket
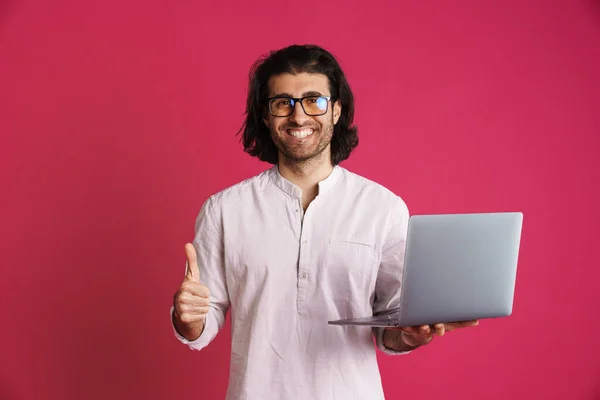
[(303, 272)]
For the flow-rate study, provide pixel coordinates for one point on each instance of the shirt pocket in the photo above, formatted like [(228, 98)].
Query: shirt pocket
[(352, 260)]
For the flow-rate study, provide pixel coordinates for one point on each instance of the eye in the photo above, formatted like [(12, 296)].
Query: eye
[(282, 102)]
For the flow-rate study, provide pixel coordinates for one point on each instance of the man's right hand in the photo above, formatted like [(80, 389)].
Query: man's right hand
[(191, 300)]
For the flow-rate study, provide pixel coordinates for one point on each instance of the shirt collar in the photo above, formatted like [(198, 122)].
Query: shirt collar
[(293, 190)]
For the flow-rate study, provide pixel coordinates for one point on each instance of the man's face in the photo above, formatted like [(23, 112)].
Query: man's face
[(300, 137)]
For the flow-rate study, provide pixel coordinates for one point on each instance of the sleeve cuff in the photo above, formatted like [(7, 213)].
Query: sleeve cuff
[(378, 331)]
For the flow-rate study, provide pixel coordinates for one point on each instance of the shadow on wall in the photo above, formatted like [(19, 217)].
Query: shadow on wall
[(594, 6), (106, 278), (7, 8), (99, 298), (6, 391)]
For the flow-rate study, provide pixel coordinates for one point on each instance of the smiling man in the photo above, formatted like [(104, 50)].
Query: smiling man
[(304, 242)]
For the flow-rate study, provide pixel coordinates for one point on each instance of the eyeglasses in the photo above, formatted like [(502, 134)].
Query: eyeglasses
[(312, 105)]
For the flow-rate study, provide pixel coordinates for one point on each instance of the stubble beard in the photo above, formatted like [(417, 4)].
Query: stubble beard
[(319, 155)]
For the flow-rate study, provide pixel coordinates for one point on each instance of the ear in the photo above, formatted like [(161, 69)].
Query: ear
[(337, 111)]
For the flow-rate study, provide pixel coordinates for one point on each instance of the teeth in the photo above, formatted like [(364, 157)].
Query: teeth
[(300, 133)]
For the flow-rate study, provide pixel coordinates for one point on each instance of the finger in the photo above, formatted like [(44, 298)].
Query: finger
[(196, 289), (187, 309), (193, 300), (474, 322), (462, 324), (192, 272), (439, 329), (190, 318)]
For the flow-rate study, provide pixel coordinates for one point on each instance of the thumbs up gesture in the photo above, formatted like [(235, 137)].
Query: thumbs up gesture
[(191, 300)]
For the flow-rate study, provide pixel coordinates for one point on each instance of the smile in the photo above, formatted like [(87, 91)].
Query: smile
[(300, 133)]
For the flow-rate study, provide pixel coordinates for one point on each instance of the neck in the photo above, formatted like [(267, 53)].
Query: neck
[(306, 175)]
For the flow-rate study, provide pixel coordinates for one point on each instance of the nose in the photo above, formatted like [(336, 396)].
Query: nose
[(298, 115)]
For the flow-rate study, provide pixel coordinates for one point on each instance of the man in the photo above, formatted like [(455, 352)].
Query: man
[(303, 243)]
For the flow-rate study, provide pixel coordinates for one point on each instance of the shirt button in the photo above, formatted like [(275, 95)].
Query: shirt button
[(303, 275)]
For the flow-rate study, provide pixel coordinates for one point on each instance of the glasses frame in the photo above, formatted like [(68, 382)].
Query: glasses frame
[(296, 101)]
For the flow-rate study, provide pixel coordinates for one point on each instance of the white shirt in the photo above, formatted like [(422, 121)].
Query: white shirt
[(284, 273)]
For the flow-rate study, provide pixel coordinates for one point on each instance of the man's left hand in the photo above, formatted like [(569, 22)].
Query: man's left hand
[(416, 336)]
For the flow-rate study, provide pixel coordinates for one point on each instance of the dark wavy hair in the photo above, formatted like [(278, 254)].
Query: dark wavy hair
[(296, 59)]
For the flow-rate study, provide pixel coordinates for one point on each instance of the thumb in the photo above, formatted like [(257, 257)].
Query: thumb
[(192, 272)]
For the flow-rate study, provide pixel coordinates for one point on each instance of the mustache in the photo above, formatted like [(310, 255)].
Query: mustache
[(296, 126)]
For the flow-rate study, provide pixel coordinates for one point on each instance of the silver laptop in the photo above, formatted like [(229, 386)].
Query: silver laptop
[(457, 267)]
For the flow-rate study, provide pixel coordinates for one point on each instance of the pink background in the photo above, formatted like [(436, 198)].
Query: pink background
[(118, 119)]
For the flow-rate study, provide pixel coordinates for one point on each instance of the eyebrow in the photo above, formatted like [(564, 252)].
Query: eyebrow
[(305, 94)]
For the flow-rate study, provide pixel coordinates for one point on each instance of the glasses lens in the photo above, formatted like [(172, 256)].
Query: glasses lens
[(315, 105), (281, 107)]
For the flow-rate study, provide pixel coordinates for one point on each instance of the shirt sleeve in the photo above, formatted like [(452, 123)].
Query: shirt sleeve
[(208, 243), (389, 276)]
